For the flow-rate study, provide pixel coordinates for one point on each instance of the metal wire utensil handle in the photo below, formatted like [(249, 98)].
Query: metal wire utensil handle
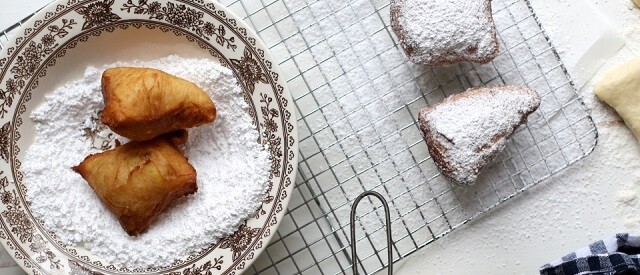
[(354, 254)]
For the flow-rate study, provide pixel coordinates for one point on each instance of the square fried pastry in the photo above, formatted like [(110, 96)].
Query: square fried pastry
[(142, 103), (139, 180), (468, 130), (444, 32)]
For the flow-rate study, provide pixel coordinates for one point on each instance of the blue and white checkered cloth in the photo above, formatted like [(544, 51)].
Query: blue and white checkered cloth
[(617, 255)]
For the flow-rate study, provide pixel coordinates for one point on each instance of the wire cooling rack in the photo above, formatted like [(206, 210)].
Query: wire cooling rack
[(357, 98)]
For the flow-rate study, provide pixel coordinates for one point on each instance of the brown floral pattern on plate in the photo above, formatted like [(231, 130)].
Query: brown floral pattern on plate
[(52, 35), (4, 142), (92, 132), (29, 61), (250, 71), (183, 17), (98, 14), (240, 240), (23, 227), (204, 269), (78, 269)]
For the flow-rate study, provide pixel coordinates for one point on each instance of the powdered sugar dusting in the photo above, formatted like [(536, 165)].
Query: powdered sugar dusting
[(232, 170), (474, 126), (444, 31)]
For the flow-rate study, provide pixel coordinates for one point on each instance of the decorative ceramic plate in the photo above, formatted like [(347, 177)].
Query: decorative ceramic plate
[(56, 46)]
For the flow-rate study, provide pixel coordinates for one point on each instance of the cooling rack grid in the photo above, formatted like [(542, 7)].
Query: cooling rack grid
[(356, 99)]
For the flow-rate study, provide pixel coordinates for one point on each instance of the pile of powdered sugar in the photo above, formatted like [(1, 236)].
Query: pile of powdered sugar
[(232, 170), (466, 126), (444, 30)]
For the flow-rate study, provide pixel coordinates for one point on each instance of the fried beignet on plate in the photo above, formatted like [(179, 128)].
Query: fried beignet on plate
[(142, 103), (139, 180)]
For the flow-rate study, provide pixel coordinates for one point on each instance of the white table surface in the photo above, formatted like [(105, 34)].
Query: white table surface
[(563, 213)]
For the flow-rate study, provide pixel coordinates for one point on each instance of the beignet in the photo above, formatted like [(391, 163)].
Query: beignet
[(142, 103), (467, 131), (139, 180), (445, 32)]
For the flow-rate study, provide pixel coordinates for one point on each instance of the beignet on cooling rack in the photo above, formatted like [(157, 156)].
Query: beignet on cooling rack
[(142, 103), (468, 130), (139, 180), (444, 32)]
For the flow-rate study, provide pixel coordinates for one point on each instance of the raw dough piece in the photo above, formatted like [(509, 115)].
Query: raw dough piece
[(142, 103), (466, 131), (139, 180), (444, 32), (620, 89)]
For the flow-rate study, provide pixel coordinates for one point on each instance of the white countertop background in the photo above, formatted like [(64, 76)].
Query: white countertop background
[(591, 199)]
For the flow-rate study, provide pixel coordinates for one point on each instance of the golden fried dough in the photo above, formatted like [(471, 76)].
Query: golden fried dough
[(620, 89), (142, 103), (139, 180)]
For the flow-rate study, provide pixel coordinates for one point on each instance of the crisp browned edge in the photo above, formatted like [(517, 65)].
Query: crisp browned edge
[(409, 49), (174, 139), (437, 150), (156, 125)]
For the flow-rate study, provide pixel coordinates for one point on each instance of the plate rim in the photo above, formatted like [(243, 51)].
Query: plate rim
[(258, 45)]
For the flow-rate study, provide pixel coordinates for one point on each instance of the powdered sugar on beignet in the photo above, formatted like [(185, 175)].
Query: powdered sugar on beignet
[(444, 32)]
